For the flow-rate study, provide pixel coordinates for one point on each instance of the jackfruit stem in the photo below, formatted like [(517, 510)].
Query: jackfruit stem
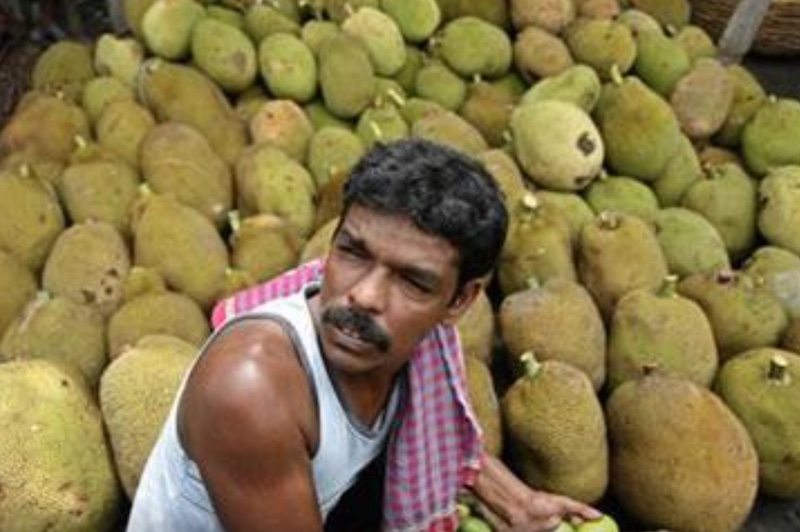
[(530, 365), (80, 143), (726, 276), (649, 369), (533, 283), (608, 220), (529, 202), (235, 221), (669, 286), (616, 75), (777, 373), (376, 130), (396, 97)]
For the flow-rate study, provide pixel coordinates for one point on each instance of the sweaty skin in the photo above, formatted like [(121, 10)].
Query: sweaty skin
[(248, 417)]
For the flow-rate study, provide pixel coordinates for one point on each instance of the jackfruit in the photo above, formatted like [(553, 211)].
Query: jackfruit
[(550, 15), (136, 394), (56, 468), (380, 36), (225, 54), (690, 243), (485, 406), (283, 124), (264, 245), (540, 54), (119, 57), (621, 194), (473, 47), (17, 287), (779, 207), (63, 68), (777, 270), (167, 27), (288, 67), (346, 76), (601, 44), (416, 19), (768, 138)]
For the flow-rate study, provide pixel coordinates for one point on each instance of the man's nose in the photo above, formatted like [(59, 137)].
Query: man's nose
[(370, 290)]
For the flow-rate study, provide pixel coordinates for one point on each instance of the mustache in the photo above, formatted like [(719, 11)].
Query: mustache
[(360, 322)]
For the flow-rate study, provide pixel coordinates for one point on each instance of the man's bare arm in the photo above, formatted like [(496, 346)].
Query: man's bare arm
[(245, 419)]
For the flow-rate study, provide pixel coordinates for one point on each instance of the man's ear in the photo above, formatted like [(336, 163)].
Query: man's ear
[(462, 300)]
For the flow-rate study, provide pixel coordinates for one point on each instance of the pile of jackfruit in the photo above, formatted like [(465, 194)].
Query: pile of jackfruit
[(640, 340)]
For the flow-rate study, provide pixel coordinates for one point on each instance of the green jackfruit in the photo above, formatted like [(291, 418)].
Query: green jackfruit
[(473, 47), (691, 244), (550, 15), (507, 175), (381, 37), (540, 54), (416, 19), (696, 41), (759, 386), (727, 199), (119, 57), (769, 139), (32, 218), (748, 96), (332, 151), (58, 330), (663, 329), (557, 144), (182, 93), (100, 190), (263, 19), (483, 399), (673, 13), (537, 245), (680, 459), (660, 61), (269, 181), (56, 468), (556, 430), (346, 76), (122, 126), (381, 124), (87, 265), (639, 129), (791, 337), (283, 124), (436, 82), (555, 306), (288, 67), (777, 270), (601, 44), (182, 245), (101, 91), (578, 84), (167, 27), (63, 68), (779, 207), (136, 394), (315, 32), (488, 108), (177, 160), (682, 170), (17, 287), (621, 194), (450, 129), (742, 314), (476, 329), (156, 311), (264, 245), (619, 253), (573, 207), (225, 54)]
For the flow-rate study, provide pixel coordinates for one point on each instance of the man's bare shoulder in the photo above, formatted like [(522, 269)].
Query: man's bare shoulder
[(250, 382)]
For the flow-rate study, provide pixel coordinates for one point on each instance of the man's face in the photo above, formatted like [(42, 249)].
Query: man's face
[(386, 285)]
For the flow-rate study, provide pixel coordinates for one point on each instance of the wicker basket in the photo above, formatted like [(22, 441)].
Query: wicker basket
[(779, 33)]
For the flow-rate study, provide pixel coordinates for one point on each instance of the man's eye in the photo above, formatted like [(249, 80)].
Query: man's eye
[(416, 285)]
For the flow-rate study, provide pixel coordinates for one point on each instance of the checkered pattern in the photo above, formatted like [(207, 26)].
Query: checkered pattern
[(436, 447)]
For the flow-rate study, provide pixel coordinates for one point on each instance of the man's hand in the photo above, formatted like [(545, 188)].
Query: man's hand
[(511, 506)]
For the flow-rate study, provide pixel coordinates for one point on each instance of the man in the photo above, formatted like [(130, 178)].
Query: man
[(288, 403)]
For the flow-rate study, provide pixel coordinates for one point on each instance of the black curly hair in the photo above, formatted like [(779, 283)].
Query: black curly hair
[(444, 192)]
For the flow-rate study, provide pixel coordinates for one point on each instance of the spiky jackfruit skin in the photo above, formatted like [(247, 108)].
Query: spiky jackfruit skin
[(779, 207), (416, 19), (689, 242), (121, 128), (88, 264), (285, 125), (680, 458), (619, 253), (167, 27), (288, 67), (181, 93), (264, 246), (119, 57), (473, 47), (346, 76), (483, 399), (32, 218), (767, 140), (476, 329), (64, 68), (791, 337), (381, 37), (17, 287), (778, 271), (59, 330), (556, 306), (56, 467), (762, 400), (742, 314), (177, 159), (225, 54), (662, 329), (183, 246), (136, 393), (159, 312), (556, 431)]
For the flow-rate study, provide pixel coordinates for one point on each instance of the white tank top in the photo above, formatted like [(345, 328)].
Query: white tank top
[(171, 494)]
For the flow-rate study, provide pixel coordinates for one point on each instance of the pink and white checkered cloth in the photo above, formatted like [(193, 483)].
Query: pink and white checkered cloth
[(436, 448)]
